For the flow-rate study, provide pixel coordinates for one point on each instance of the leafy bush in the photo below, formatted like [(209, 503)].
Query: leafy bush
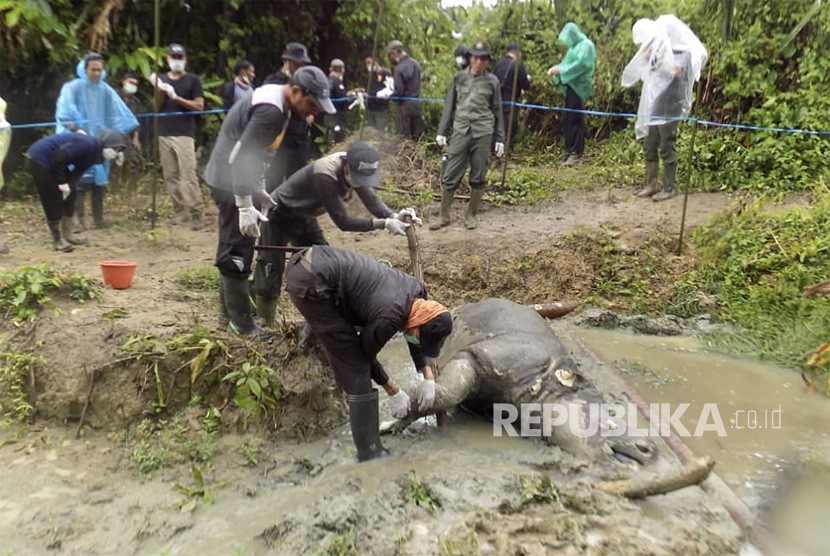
[(15, 369), (23, 292)]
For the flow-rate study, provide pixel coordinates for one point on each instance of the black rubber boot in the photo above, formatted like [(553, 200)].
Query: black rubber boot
[(58, 242), (224, 317), (78, 218), (98, 207), (471, 217), (68, 234), (364, 419), (446, 206), (266, 309), (238, 304)]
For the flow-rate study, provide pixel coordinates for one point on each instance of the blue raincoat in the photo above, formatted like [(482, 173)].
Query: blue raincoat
[(92, 107)]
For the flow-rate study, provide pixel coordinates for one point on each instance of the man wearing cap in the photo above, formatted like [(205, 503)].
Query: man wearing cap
[(322, 187), (253, 127), (336, 123), (473, 109), (337, 291), (511, 71), (180, 91), (296, 147), (407, 90)]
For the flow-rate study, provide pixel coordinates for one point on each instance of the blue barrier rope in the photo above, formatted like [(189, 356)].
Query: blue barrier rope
[(627, 115)]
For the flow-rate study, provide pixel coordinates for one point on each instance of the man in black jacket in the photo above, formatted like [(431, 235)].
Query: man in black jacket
[(319, 188), (510, 69), (337, 291), (253, 127), (407, 74)]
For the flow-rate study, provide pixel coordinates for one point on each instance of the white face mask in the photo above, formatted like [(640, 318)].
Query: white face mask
[(245, 80), (459, 61), (130, 89), (176, 65), (110, 153), (369, 68)]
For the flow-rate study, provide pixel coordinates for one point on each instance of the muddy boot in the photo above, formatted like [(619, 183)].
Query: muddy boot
[(196, 223), (652, 173), (58, 242), (222, 314), (307, 338), (78, 224), (68, 234), (238, 304), (266, 309), (470, 218), (446, 207), (98, 207), (365, 420)]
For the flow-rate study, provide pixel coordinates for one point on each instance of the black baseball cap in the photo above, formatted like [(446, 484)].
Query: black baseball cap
[(296, 52), (364, 161), (480, 49), (315, 84), (433, 334), (176, 49)]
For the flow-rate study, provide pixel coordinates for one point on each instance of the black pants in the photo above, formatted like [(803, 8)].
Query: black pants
[(410, 119), (514, 125), (235, 252), (54, 205), (283, 228), (341, 342), (573, 123)]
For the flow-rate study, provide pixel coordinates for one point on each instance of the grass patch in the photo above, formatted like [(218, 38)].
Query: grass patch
[(415, 492), (205, 278), (159, 444), (26, 290)]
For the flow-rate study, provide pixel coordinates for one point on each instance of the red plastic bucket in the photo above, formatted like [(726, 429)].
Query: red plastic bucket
[(118, 274)]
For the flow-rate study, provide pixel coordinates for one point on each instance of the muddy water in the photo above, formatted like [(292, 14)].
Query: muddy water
[(773, 427)]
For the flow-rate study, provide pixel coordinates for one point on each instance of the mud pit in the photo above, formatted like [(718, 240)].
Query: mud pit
[(303, 493)]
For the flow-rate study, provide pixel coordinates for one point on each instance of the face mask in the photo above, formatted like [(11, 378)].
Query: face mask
[(459, 61), (411, 339), (176, 65), (369, 68), (245, 80), (130, 89), (349, 179), (110, 153)]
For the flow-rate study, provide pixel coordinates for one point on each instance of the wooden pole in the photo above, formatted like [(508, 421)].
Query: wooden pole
[(509, 126), (687, 188), (156, 158), (414, 250)]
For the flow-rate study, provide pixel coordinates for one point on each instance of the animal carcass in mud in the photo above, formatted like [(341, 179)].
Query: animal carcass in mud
[(503, 353)]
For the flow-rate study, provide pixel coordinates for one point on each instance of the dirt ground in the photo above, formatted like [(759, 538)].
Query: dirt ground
[(304, 493)]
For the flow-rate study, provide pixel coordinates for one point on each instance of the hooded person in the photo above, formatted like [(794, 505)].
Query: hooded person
[(323, 187), (253, 128), (338, 291), (57, 162), (88, 104), (575, 74), (668, 62)]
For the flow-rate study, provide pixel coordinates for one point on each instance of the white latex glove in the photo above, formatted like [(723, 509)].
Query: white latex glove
[(358, 102), (168, 88), (441, 140), (553, 70), (389, 83), (410, 212), (399, 404), (426, 394), (499, 150), (266, 203), (384, 93), (81, 131), (65, 191), (119, 159), (249, 217), (396, 227)]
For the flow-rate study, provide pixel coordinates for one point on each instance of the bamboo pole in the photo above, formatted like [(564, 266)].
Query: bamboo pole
[(156, 158), (687, 189), (509, 127), (375, 59)]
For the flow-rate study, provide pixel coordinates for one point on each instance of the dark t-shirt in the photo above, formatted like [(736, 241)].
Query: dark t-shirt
[(188, 87), (376, 84)]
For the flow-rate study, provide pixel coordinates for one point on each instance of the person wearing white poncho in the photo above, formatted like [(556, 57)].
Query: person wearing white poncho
[(668, 63)]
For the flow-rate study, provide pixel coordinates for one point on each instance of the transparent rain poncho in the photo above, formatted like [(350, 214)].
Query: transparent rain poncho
[(5, 138), (668, 63)]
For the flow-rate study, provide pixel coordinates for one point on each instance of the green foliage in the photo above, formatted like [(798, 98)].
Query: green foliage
[(159, 444), (756, 263), (537, 490), (198, 491), (205, 278), (415, 492), (26, 290), (250, 451), (257, 390), (343, 545), (15, 369)]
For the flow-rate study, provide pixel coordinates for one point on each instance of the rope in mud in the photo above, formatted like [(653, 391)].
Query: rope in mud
[(713, 485)]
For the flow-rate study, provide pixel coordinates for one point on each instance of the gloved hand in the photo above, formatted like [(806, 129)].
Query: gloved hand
[(65, 191), (119, 158), (499, 150), (441, 140), (426, 394), (396, 227), (384, 93), (410, 212), (168, 88), (359, 102), (266, 203), (249, 217), (81, 131), (399, 404), (389, 83), (553, 71)]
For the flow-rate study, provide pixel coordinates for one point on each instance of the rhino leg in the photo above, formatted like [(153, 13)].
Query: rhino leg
[(454, 383)]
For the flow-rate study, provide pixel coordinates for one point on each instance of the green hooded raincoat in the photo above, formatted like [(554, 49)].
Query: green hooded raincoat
[(577, 69)]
